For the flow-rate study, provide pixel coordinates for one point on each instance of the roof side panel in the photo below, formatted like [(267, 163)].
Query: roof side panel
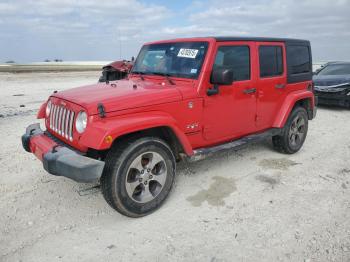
[(258, 39)]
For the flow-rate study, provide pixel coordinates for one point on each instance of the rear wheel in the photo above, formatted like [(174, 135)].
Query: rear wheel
[(294, 132), (138, 176)]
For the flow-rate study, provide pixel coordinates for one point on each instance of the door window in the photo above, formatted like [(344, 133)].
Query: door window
[(236, 58), (271, 61)]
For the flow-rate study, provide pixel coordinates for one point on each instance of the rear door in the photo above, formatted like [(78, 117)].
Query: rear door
[(272, 82), (231, 113)]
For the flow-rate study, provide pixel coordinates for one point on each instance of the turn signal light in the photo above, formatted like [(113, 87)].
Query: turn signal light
[(108, 139)]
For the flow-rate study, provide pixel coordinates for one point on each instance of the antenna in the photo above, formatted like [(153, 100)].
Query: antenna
[(120, 44)]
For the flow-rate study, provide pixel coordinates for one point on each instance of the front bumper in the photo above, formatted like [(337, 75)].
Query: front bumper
[(333, 99), (60, 160)]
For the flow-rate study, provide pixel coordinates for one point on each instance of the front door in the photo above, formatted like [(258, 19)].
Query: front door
[(231, 113)]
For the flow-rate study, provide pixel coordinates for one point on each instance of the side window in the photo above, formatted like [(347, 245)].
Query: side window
[(236, 58), (299, 59), (271, 61)]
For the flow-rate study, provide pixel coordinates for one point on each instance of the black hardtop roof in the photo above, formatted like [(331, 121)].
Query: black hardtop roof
[(258, 39)]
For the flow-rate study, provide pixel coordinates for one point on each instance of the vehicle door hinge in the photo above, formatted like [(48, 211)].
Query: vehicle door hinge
[(257, 118), (206, 129), (207, 102)]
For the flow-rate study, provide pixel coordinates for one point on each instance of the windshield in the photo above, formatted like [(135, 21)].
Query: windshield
[(180, 59), (335, 69)]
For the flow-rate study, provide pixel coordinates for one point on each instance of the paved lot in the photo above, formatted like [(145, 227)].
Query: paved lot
[(248, 205)]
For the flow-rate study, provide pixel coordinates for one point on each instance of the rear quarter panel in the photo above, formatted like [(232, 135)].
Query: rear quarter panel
[(291, 99)]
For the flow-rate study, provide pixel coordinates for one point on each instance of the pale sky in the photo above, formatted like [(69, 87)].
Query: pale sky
[(35, 30)]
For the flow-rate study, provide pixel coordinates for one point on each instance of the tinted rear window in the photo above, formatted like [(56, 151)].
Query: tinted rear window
[(271, 61), (299, 59)]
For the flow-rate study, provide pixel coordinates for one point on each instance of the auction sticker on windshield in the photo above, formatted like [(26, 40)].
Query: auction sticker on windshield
[(188, 53)]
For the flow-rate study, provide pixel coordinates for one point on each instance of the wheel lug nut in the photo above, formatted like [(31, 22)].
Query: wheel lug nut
[(150, 176), (141, 171), (140, 179), (148, 170), (145, 182)]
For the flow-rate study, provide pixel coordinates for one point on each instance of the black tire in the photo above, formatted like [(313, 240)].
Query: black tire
[(292, 132), (118, 170)]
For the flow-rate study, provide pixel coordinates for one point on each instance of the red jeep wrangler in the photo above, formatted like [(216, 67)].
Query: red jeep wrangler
[(183, 98)]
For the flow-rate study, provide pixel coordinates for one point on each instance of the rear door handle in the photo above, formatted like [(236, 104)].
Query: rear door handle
[(280, 86), (249, 90)]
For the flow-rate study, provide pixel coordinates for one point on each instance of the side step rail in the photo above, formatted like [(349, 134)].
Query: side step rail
[(202, 153)]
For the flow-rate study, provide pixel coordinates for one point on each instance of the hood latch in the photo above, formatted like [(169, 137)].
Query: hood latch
[(101, 110)]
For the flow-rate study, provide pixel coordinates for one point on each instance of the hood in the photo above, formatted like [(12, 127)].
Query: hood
[(337, 83), (331, 81), (121, 95)]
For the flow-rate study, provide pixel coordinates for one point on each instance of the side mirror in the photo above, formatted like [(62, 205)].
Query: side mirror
[(220, 76)]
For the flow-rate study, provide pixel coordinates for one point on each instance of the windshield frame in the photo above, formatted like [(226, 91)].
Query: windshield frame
[(185, 44)]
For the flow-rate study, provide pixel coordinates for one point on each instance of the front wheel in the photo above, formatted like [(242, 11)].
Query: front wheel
[(138, 176), (294, 132)]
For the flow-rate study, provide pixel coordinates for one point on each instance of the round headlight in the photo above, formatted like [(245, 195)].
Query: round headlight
[(81, 122), (48, 108)]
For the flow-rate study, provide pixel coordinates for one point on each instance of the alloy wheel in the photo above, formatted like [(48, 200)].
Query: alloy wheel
[(297, 131), (146, 177)]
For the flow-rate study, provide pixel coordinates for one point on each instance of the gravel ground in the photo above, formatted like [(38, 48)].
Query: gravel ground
[(248, 205)]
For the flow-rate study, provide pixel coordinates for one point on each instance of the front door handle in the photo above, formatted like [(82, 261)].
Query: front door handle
[(249, 90), (280, 86)]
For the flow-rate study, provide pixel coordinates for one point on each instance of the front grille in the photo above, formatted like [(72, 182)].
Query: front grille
[(61, 121)]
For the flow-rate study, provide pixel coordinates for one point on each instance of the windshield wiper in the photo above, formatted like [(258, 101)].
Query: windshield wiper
[(140, 74), (167, 76)]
